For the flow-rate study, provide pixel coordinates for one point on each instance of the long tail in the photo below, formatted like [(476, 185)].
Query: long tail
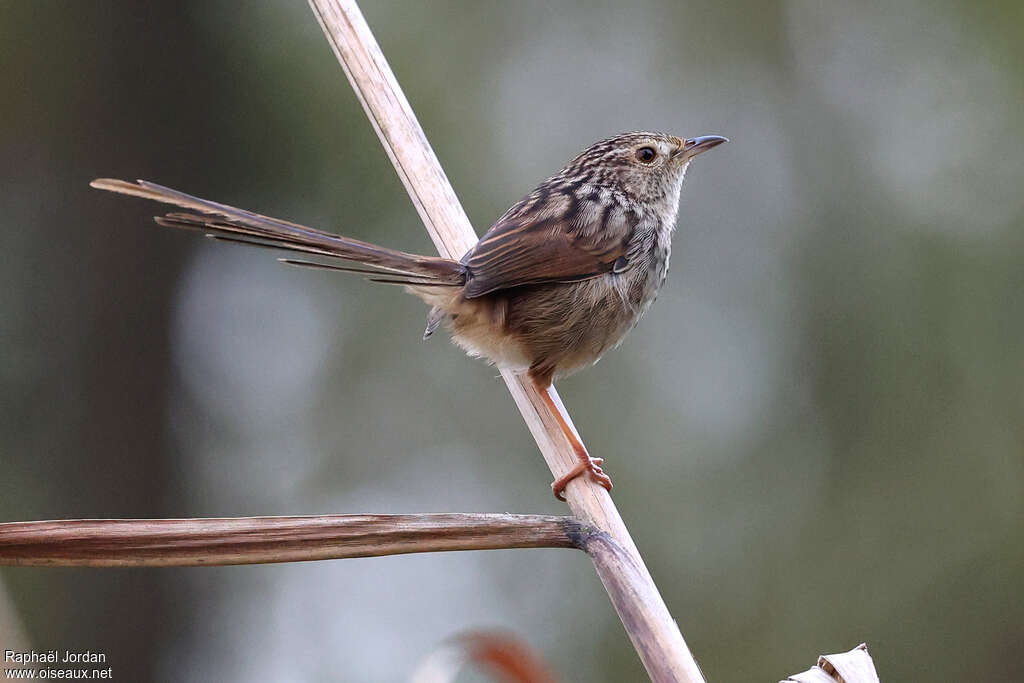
[(237, 225)]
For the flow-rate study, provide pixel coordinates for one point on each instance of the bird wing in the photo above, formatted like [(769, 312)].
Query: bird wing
[(551, 236)]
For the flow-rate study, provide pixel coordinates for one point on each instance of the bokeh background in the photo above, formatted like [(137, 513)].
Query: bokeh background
[(816, 435)]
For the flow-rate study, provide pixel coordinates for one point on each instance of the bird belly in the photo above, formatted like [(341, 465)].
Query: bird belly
[(560, 327), (564, 327), (618, 304)]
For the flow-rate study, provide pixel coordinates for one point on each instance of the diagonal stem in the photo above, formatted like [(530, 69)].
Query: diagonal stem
[(667, 658)]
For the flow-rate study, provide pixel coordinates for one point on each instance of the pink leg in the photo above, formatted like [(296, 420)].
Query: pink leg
[(586, 464)]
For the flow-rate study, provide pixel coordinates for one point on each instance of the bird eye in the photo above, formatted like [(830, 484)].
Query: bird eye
[(646, 154)]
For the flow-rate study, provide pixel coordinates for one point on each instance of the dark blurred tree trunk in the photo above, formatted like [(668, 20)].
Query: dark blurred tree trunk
[(86, 352)]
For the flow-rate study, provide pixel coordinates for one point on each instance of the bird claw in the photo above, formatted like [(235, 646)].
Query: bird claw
[(591, 466)]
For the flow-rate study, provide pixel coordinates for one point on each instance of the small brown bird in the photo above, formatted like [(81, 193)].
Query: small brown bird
[(558, 280)]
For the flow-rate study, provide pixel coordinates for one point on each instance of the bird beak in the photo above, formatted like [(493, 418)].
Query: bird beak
[(694, 146)]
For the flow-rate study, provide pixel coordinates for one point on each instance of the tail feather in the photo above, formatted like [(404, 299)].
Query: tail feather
[(238, 225), (387, 277), (236, 234)]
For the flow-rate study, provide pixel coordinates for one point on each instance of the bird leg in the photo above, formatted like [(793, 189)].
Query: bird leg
[(586, 463)]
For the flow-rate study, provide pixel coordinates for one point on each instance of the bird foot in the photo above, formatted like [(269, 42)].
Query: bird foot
[(591, 466)]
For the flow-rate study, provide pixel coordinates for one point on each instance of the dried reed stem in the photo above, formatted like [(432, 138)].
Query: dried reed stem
[(636, 598), (252, 540)]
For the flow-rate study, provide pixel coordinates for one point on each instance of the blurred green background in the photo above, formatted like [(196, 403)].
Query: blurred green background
[(816, 435)]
